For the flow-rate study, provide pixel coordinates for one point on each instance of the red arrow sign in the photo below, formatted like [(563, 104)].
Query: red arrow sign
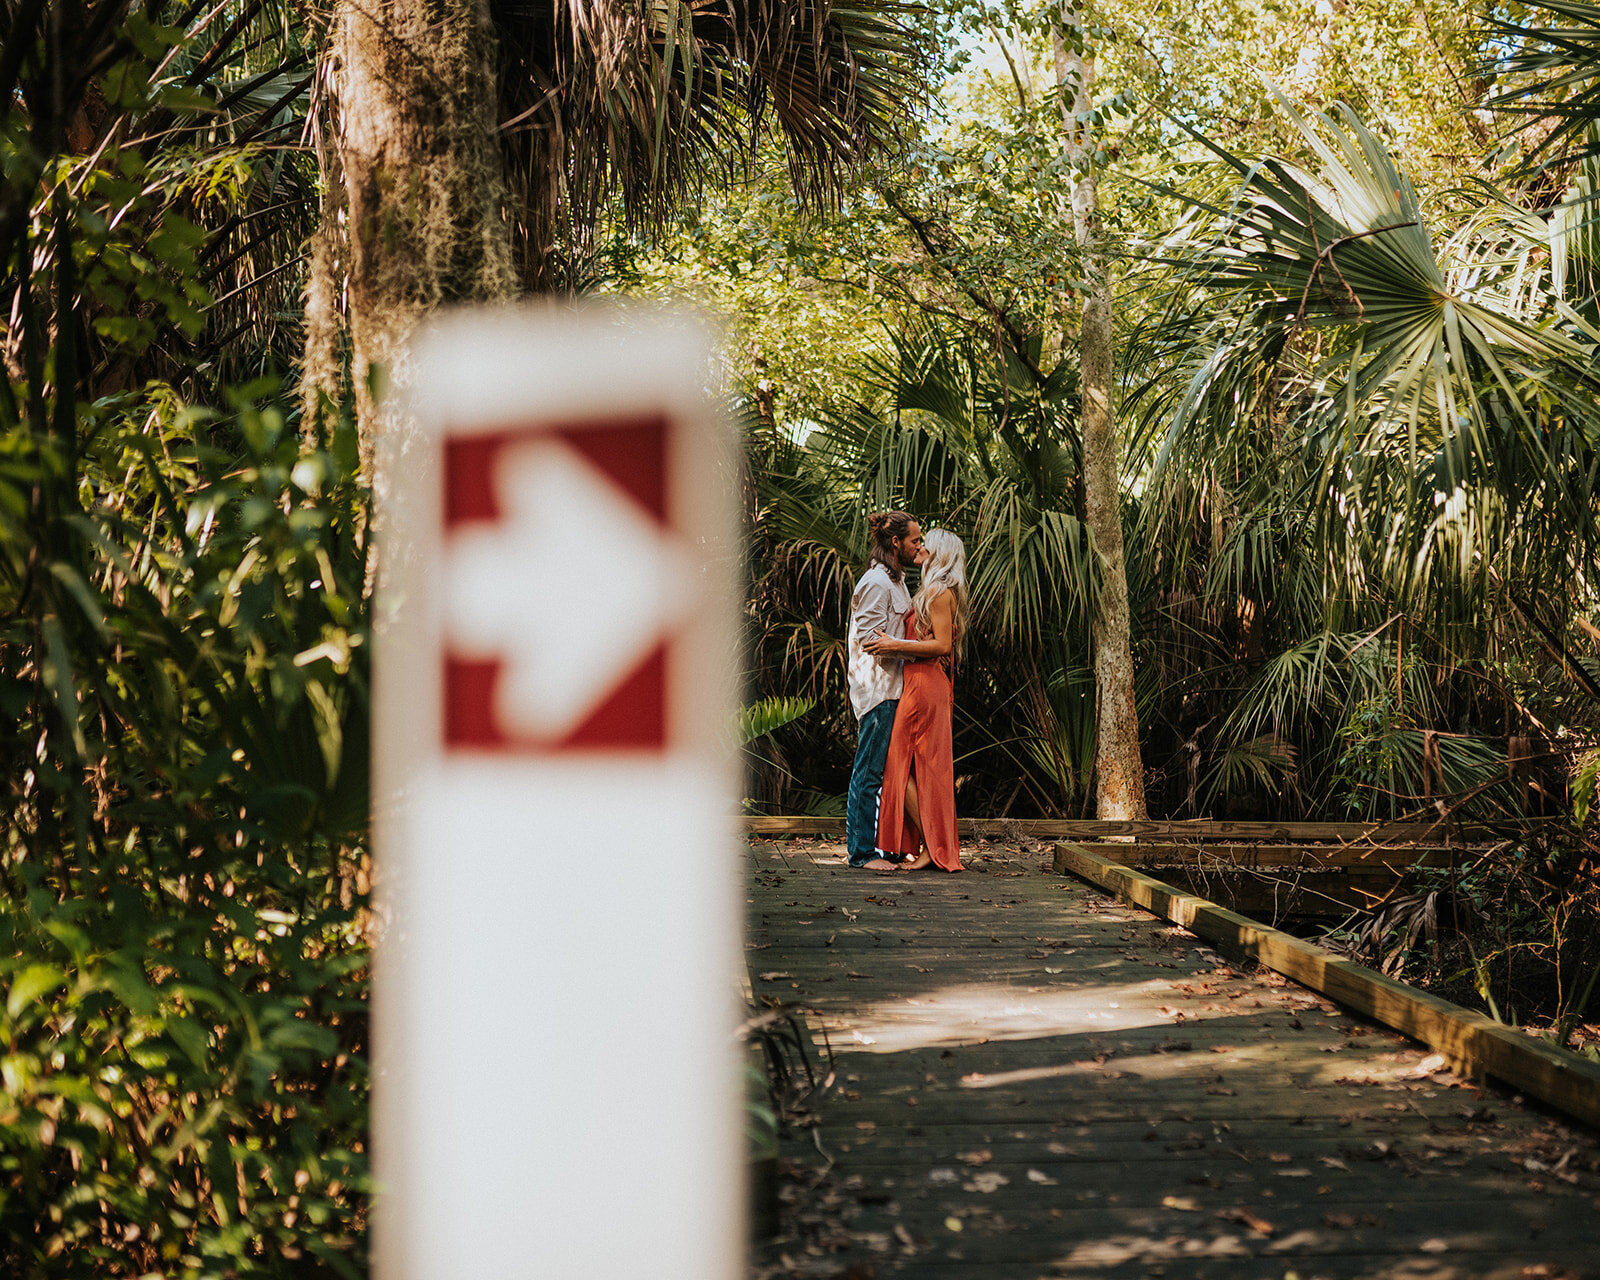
[(561, 557)]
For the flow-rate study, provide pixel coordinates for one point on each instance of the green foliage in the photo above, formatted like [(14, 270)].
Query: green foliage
[(761, 718), (183, 648), (184, 931)]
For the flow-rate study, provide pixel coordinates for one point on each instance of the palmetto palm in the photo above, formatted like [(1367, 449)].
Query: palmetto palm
[(641, 101), (1378, 428), (1549, 70)]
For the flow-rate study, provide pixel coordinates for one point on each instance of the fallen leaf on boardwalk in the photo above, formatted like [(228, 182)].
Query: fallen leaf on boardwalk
[(1333, 1162), (919, 968), (1545, 1271), (1280, 1157), (774, 975), (939, 1177), (1167, 1011), (1043, 1179), (986, 1182), (1340, 1221), (953, 1224), (1245, 1218), (1187, 1204), (867, 1125), (1434, 1245), (1059, 1149), (975, 1158), (904, 1237), (1293, 1173), (858, 975)]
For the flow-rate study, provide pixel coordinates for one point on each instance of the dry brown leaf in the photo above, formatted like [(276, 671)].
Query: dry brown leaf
[(1245, 1218), (1186, 1204), (975, 1158)]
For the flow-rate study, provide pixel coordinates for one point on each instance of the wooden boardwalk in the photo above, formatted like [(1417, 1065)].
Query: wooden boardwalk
[(1035, 1081)]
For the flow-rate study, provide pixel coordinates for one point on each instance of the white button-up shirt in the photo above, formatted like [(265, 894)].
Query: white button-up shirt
[(879, 603)]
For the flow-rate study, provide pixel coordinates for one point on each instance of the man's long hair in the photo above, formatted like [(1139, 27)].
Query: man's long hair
[(885, 527)]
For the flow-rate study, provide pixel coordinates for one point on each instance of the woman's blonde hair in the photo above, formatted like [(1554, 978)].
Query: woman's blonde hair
[(946, 570)]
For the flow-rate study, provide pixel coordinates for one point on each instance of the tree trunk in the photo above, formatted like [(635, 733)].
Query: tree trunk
[(1119, 772), (421, 222)]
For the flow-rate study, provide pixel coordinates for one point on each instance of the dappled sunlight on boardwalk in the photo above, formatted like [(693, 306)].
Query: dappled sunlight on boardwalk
[(1038, 1083), (968, 1012)]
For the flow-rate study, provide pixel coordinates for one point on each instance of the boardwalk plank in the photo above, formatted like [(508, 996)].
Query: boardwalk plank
[(1126, 1099)]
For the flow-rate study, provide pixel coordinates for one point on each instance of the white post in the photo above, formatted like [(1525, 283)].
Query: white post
[(557, 1091)]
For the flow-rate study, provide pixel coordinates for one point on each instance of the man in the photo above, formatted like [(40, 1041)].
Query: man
[(880, 603)]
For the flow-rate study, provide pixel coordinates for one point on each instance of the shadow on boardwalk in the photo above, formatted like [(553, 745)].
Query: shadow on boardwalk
[(1035, 1081)]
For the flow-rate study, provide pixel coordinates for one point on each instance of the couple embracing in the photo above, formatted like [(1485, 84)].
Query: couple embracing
[(902, 804)]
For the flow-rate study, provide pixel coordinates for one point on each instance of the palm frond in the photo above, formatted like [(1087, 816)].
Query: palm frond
[(1554, 71), (643, 102)]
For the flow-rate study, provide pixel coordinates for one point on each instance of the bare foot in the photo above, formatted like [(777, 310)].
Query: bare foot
[(917, 863), (878, 864)]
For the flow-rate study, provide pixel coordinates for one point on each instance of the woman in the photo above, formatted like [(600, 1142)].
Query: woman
[(917, 813)]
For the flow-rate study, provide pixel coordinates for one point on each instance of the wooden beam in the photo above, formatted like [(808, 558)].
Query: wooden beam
[(1300, 857), (1156, 829), (1470, 1041)]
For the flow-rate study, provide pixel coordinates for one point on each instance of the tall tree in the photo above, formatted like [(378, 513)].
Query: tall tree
[(474, 143), (414, 181), (1119, 772)]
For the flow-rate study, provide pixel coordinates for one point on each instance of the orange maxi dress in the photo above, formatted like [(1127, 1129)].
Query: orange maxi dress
[(921, 746)]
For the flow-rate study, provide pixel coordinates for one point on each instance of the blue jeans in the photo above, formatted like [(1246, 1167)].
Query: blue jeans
[(866, 781)]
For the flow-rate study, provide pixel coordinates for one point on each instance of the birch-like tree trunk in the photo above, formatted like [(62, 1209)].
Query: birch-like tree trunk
[(1119, 772), (415, 211)]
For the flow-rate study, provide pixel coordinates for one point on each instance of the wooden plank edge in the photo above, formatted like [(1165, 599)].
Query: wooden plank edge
[(1165, 829), (1471, 1042), (1223, 856)]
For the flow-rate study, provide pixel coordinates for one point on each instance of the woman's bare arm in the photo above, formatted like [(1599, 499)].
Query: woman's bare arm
[(942, 624)]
